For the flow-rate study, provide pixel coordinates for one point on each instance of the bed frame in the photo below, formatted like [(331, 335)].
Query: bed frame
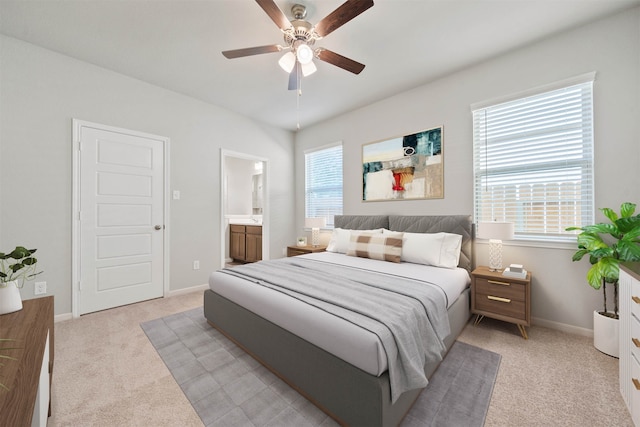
[(346, 393)]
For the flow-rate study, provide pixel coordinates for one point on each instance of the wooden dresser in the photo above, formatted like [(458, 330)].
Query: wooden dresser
[(629, 364), (28, 400)]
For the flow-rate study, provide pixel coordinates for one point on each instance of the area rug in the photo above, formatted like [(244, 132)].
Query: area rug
[(227, 387)]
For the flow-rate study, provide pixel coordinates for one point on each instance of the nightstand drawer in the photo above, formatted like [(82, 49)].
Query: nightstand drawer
[(501, 288), (499, 304)]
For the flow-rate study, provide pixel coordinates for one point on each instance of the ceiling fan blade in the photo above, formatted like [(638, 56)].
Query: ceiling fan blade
[(274, 12), (343, 14), (248, 51), (340, 61), (294, 77)]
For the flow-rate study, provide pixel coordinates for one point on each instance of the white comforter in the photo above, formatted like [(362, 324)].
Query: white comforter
[(345, 340)]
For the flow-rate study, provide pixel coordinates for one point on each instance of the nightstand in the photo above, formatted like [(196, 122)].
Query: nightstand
[(500, 297), (301, 250)]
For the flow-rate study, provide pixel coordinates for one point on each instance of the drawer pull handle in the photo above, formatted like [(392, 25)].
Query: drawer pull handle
[(493, 282), (636, 342), (492, 298), (636, 383), (636, 300)]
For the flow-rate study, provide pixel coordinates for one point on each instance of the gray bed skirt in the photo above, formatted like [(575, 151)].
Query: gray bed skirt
[(346, 393)]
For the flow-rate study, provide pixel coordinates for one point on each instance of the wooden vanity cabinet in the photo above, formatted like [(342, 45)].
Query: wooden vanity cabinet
[(253, 244), (237, 243), (245, 243)]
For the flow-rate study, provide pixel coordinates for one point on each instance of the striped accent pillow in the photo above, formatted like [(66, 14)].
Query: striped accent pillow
[(383, 247)]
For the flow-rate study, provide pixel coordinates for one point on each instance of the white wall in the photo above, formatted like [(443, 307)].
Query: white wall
[(611, 47), (41, 91)]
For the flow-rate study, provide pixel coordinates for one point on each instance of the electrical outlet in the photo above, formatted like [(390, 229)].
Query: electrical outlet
[(196, 265), (40, 288)]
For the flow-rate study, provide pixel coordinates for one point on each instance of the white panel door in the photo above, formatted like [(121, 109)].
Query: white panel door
[(121, 218)]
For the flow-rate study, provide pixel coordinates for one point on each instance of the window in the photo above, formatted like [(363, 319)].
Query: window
[(323, 183), (533, 161)]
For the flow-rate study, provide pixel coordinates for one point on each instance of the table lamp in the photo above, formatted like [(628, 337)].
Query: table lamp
[(315, 224), (496, 232)]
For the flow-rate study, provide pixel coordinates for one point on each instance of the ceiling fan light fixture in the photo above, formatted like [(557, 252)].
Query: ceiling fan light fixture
[(308, 69), (304, 54), (287, 62)]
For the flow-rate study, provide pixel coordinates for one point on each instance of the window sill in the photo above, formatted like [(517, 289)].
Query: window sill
[(537, 243)]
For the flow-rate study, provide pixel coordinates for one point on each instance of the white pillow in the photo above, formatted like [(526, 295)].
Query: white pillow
[(340, 239), (437, 249)]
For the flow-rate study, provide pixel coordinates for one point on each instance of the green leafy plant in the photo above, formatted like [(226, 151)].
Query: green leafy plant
[(18, 265), (608, 244)]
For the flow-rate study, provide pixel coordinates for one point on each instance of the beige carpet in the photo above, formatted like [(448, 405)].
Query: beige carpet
[(107, 373)]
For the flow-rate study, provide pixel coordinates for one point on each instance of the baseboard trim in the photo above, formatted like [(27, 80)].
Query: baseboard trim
[(562, 327), (184, 291), (68, 316), (62, 317)]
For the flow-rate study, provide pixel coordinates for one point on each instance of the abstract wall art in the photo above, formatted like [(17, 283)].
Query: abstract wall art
[(404, 168)]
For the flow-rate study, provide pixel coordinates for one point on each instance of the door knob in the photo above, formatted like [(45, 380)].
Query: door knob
[(158, 227)]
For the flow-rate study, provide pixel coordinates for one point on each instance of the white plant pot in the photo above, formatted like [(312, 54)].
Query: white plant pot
[(605, 334), (10, 300)]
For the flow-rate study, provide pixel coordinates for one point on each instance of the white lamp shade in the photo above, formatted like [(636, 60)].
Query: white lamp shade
[(315, 222), (287, 62), (495, 230)]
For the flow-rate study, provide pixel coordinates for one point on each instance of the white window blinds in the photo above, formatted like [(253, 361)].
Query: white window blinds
[(323, 183), (533, 162)]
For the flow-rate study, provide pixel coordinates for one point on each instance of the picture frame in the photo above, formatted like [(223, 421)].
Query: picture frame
[(302, 241), (409, 167)]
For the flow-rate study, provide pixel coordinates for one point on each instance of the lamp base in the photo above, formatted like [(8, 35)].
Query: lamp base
[(495, 255), (315, 237)]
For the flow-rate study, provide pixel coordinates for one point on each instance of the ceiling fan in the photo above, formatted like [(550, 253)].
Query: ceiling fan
[(300, 36)]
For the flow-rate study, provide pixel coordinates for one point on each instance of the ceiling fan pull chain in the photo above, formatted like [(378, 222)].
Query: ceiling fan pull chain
[(298, 94)]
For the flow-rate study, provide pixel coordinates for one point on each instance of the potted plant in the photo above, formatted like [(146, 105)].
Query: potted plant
[(15, 268), (608, 244)]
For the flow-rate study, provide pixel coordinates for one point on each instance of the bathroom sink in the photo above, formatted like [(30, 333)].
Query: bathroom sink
[(245, 221)]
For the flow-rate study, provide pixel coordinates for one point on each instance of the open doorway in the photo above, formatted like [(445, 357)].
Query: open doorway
[(243, 202)]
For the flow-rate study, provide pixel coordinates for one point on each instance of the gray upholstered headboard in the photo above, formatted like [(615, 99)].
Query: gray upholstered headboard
[(361, 222), (457, 224)]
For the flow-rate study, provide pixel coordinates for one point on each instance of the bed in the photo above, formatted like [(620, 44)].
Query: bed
[(346, 377)]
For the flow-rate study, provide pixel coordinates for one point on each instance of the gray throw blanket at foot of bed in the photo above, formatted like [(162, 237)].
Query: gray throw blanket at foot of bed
[(409, 316)]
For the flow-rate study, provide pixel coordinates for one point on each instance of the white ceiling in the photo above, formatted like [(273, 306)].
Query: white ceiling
[(176, 44)]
